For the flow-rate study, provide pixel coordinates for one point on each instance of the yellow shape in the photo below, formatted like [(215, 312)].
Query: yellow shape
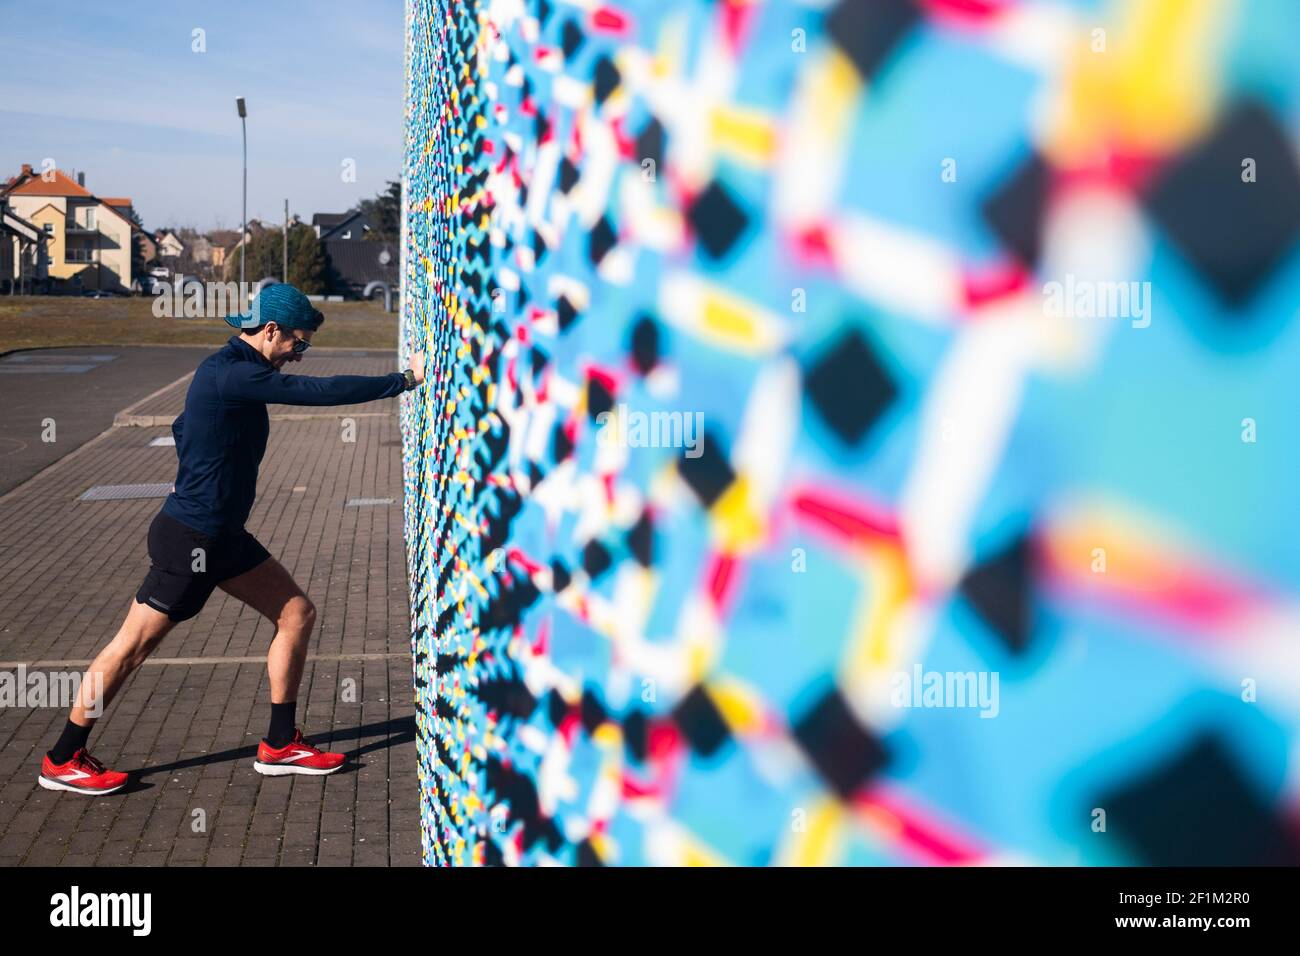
[(737, 525), (832, 91), (735, 323), (741, 710), (820, 840), (889, 587), (697, 854), (747, 135), (1150, 89)]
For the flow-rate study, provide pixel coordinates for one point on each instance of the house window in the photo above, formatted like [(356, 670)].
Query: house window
[(49, 228), (347, 235), (90, 218)]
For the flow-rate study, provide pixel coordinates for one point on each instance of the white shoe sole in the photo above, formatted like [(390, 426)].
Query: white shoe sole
[(286, 769), (49, 784)]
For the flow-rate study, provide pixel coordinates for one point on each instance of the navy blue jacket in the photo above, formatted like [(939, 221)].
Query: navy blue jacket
[(221, 435)]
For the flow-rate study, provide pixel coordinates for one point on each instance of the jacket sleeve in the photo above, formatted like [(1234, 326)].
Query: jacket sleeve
[(247, 382)]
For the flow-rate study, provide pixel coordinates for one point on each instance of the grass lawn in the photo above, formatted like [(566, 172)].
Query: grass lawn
[(42, 321)]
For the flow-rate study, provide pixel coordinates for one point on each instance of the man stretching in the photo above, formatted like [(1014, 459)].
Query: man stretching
[(198, 543)]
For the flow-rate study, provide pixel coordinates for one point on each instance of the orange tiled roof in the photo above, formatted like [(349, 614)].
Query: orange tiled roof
[(116, 201), (61, 185)]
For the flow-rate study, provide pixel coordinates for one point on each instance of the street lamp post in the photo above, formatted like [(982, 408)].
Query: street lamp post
[(243, 236)]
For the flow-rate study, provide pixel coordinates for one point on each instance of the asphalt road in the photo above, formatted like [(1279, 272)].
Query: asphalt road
[(80, 389)]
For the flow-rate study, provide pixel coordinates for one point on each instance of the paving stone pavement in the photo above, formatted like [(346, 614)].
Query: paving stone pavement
[(80, 403), (186, 725)]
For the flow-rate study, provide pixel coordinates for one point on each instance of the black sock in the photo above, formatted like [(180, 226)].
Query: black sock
[(72, 739), (282, 724)]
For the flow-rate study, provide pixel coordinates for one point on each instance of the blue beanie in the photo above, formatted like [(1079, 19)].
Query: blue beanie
[(282, 304)]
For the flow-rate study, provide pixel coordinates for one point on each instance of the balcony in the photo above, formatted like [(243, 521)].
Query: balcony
[(79, 255), (74, 228)]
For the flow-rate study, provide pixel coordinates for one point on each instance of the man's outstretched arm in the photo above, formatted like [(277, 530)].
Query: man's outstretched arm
[(258, 383)]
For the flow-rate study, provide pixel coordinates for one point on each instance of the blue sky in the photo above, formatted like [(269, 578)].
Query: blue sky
[(116, 90)]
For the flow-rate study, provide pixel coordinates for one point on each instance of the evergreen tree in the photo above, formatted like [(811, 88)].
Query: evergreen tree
[(307, 265), (385, 212)]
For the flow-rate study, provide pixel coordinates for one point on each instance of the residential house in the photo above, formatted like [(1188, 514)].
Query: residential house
[(355, 263), (146, 244), (354, 260), (353, 224), (119, 203), (199, 248), (24, 259), (223, 241), (88, 240), (170, 245)]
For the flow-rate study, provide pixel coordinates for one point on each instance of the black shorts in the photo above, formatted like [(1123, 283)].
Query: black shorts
[(188, 565)]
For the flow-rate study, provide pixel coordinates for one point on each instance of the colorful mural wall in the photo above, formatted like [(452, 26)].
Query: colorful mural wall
[(860, 432)]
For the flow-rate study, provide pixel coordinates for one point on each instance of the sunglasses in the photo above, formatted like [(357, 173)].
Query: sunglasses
[(301, 345)]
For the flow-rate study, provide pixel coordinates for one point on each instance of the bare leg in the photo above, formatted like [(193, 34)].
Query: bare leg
[(140, 633), (271, 591)]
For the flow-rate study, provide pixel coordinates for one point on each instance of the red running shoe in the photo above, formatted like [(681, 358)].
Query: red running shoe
[(297, 756), (82, 774)]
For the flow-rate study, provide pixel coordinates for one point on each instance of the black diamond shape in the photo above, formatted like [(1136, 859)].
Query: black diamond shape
[(843, 751), (645, 344), (650, 142), (700, 722), (1199, 809), (601, 240), (636, 734), (717, 219), (592, 711), (571, 38), (587, 855), (596, 559), (709, 474), (565, 312), (556, 708), (561, 445), (568, 175), (1235, 233), (599, 399), (640, 540), (607, 79), (999, 589), (849, 387), (509, 695), (539, 359), (1015, 210), (867, 30)]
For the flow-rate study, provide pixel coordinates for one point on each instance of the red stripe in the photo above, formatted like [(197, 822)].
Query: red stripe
[(610, 20), (813, 246), (982, 286), (853, 522), (923, 838), (971, 13), (724, 577)]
